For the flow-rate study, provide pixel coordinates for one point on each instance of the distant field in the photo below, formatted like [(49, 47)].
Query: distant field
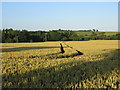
[(39, 65), (90, 33), (83, 33), (110, 33)]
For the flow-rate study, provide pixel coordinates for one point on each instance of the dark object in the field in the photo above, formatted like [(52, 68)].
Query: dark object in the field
[(117, 84), (108, 87), (61, 48), (80, 53)]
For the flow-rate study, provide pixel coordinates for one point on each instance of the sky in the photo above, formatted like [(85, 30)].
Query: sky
[(60, 15), (60, 0)]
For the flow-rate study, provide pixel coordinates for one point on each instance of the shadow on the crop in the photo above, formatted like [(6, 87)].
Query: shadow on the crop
[(25, 48), (57, 55), (63, 55), (66, 74), (68, 56)]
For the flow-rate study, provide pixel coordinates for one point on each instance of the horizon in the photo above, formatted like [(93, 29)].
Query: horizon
[(60, 15), (65, 29)]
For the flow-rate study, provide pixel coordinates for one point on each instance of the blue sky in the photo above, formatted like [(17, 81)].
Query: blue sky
[(60, 15)]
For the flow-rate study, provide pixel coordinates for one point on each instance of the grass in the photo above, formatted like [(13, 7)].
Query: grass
[(40, 65)]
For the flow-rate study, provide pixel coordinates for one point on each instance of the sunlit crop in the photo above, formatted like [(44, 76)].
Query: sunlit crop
[(40, 65)]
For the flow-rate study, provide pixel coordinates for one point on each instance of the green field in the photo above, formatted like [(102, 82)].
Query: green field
[(90, 33), (40, 65), (111, 33)]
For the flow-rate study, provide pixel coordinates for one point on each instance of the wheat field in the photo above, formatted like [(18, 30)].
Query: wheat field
[(41, 65)]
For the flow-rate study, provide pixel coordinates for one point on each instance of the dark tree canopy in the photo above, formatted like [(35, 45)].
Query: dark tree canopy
[(12, 36)]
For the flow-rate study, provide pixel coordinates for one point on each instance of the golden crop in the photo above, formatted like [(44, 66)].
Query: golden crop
[(40, 65)]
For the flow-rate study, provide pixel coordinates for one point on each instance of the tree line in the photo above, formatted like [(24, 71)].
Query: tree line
[(15, 36)]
